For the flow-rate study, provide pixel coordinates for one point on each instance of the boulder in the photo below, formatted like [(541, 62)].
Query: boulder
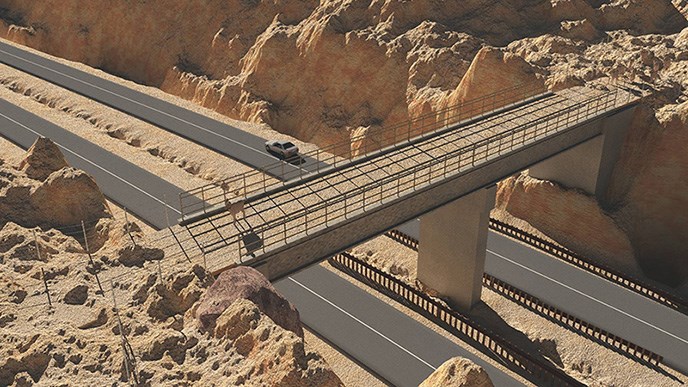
[(247, 283), (42, 159), (67, 197), (44, 191), (458, 372), (270, 355)]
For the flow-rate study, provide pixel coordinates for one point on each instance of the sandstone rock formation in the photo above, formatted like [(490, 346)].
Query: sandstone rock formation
[(327, 71), (492, 71), (316, 70), (247, 283), (458, 372), (45, 192), (42, 159), (539, 202), (273, 356)]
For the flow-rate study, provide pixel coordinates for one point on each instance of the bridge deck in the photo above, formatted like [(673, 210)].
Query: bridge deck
[(279, 218)]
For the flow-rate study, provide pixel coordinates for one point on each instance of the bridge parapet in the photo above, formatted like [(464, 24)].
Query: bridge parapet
[(209, 199), (304, 221)]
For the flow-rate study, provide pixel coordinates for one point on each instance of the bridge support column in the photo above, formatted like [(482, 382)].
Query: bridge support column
[(589, 165), (453, 239)]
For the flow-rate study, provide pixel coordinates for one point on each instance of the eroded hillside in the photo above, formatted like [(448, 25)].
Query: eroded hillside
[(324, 70)]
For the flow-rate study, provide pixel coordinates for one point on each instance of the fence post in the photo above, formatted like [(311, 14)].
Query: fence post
[(364, 191), (160, 270), (164, 206), (90, 258), (126, 224), (47, 291), (45, 282), (126, 348)]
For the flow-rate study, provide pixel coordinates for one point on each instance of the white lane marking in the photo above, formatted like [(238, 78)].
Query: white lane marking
[(590, 297), (133, 101), (363, 323), (94, 164)]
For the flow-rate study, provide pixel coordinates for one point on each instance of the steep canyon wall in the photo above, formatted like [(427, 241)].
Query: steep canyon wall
[(322, 71)]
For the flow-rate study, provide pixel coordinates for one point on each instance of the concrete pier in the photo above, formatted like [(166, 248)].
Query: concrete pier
[(453, 239), (588, 166)]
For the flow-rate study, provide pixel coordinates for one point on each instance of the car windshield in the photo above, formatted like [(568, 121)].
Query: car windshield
[(288, 145)]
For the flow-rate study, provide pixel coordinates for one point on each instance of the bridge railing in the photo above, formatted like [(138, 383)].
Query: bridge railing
[(331, 156), (343, 205)]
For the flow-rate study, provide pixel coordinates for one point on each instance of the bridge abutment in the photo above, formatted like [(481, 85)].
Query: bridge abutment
[(588, 166), (453, 240)]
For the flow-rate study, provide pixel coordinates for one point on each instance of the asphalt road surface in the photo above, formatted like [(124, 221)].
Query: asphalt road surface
[(142, 192), (387, 341), (600, 302), (396, 347), (218, 136)]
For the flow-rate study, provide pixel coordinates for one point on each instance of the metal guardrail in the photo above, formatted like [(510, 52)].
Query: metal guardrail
[(556, 315), (589, 265), (342, 203), (255, 181), (457, 324), (536, 305)]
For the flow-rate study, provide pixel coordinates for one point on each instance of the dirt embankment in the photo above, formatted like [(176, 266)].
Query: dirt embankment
[(323, 70)]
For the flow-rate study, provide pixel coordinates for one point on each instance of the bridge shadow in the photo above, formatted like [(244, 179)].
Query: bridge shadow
[(546, 349), (542, 350)]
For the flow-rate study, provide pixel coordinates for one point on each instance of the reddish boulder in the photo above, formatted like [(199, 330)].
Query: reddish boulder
[(247, 283)]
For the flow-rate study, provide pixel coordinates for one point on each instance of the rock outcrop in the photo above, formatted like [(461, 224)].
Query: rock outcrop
[(78, 339), (247, 283), (46, 192), (596, 233), (458, 372), (492, 71), (272, 355), (42, 159), (315, 70)]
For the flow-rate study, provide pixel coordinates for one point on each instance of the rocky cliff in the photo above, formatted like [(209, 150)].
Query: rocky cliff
[(323, 71)]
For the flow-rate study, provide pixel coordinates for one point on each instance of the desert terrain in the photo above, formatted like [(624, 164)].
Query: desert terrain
[(318, 73)]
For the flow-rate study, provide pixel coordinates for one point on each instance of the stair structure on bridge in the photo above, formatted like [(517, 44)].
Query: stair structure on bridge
[(441, 168)]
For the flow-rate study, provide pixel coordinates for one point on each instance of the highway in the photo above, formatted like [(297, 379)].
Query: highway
[(394, 346), (142, 192), (216, 135), (387, 341), (584, 295)]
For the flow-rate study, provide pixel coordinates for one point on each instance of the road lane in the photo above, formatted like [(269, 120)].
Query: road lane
[(600, 302), (381, 337), (125, 183), (363, 325), (222, 138)]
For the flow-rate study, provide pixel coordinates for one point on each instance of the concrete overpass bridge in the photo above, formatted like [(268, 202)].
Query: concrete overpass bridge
[(441, 168)]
